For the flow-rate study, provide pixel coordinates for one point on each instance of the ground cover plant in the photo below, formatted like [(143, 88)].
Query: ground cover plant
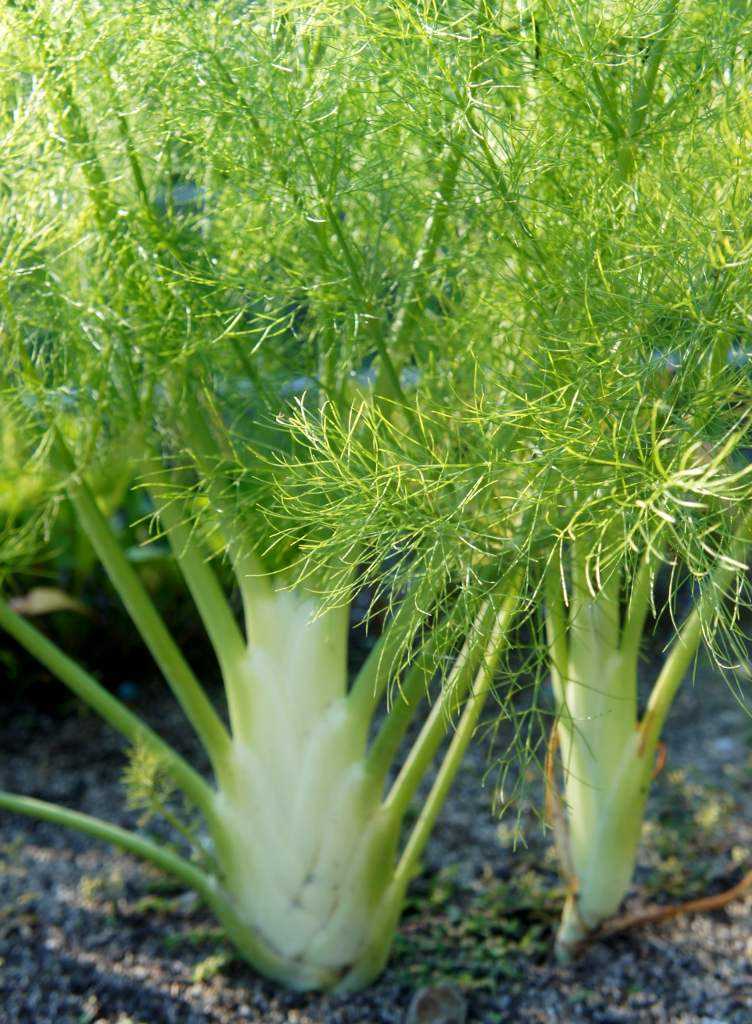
[(447, 301)]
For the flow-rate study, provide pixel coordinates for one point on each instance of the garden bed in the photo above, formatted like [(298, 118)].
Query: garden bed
[(89, 935)]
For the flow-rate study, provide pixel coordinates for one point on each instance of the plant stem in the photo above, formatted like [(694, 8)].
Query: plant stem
[(244, 937), (433, 231), (318, 232), (147, 620), (379, 667), (687, 642), (373, 958), (644, 93), (639, 604), (208, 455), (450, 765), (142, 611), (625, 149), (112, 710), (608, 780), (556, 632), (392, 730), (158, 855), (437, 723), (209, 598)]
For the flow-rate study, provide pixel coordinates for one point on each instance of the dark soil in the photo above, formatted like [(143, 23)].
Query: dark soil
[(89, 935)]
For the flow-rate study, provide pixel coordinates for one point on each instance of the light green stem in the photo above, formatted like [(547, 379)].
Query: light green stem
[(435, 727), (609, 767), (142, 847), (379, 667), (390, 905), (208, 595), (685, 646), (639, 605), (214, 609), (596, 702), (208, 456), (450, 765), (433, 232), (247, 941), (556, 632), (643, 96), (646, 89), (434, 228), (111, 709), (392, 730), (147, 620)]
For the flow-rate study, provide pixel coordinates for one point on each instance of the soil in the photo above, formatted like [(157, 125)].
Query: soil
[(91, 936)]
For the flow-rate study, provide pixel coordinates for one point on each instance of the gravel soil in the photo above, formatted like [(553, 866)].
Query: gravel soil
[(90, 936)]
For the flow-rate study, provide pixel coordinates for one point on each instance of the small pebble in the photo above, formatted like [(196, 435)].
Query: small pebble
[(437, 1004)]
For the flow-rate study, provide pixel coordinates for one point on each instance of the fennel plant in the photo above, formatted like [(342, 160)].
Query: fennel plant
[(672, 206), (500, 257), (201, 223), (605, 445)]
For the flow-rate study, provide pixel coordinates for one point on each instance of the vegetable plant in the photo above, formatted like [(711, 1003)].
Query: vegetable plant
[(449, 301), (662, 504), (199, 231), (603, 444)]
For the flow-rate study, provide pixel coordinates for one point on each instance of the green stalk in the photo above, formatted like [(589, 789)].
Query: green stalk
[(646, 90), (247, 941), (147, 849), (643, 96), (371, 681), (609, 756), (596, 704), (175, 668), (392, 730), (210, 599), (425, 255), (556, 631), (318, 232), (639, 605), (375, 955), (450, 765), (434, 728), (372, 678), (600, 697), (685, 646), (208, 455), (111, 710), (213, 607), (437, 723)]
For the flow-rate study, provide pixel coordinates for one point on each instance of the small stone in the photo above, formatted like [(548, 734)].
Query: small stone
[(188, 902), (437, 1004)]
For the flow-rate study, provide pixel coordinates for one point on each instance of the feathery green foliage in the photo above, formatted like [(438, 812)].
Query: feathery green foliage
[(593, 427), (201, 233), (448, 300)]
